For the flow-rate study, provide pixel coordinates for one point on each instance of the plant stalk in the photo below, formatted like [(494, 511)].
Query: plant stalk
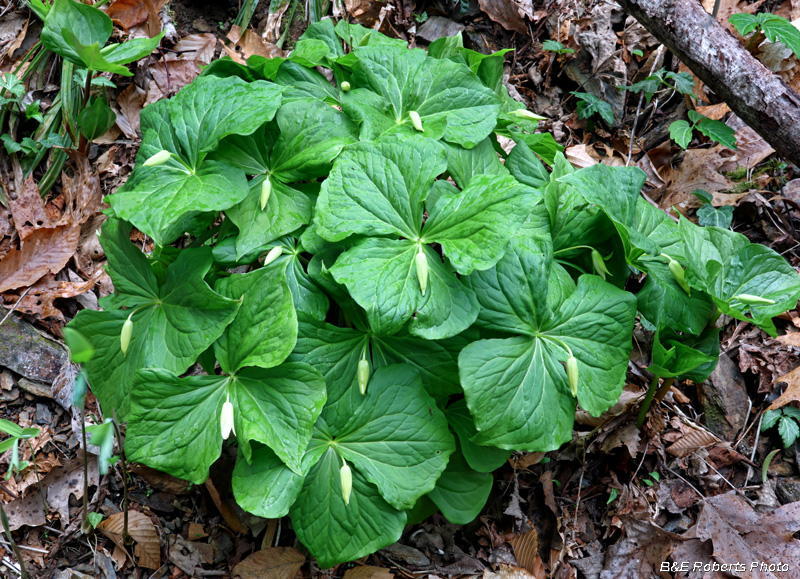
[(648, 399), (7, 528), (125, 536)]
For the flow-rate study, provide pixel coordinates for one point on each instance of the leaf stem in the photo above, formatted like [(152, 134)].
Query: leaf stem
[(651, 393), (126, 538), (7, 528), (571, 248)]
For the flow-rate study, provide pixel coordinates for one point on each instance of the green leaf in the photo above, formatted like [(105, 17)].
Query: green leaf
[(681, 133), (451, 101), (526, 167), (335, 532), (473, 226), (174, 321), (464, 164), (86, 24), (276, 406), (648, 86), (265, 486), (461, 492), (80, 349), (516, 388), (589, 105), (776, 28), (715, 130), (10, 428), (684, 83), (480, 458), (789, 431), (379, 189), (770, 419), (674, 356), (710, 216), (131, 50), (91, 56), (102, 436), (398, 438), (556, 47), (287, 209), (744, 23), (96, 119), (306, 295), (264, 331)]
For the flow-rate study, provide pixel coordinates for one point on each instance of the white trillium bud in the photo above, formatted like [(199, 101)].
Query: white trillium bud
[(266, 189), (273, 254), (347, 482), (421, 261), (226, 420), (752, 300), (125, 335), (363, 375), (572, 375), (416, 121), (158, 159), (345, 86), (528, 115)]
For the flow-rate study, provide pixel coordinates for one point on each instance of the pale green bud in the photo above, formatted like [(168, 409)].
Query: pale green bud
[(528, 115), (416, 121), (421, 261), (572, 375), (158, 159), (752, 300), (599, 264), (125, 335), (680, 277), (345, 86), (347, 482), (266, 189), (363, 375), (226, 420), (273, 254)]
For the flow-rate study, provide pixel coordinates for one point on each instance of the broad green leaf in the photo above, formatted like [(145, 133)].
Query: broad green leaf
[(87, 23), (716, 130), (770, 419), (102, 436), (379, 189), (96, 119), (708, 215), (464, 164), (516, 388), (526, 167), (473, 226), (674, 356), (264, 485), (80, 349), (480, 458), (726, 265), (264, 331), (461, 492), (681, 133), (324, 32), (276, 406), (789, 431), (775, 28), (91, 56), (335, 532), (287, 209), (397, 438), (172, 326), (131, 50), (451, 101), (306, 295), (161, 201), (356, 35)]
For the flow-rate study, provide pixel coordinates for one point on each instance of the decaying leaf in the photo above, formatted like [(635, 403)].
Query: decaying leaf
[(273, 563), (692, 441), (142, 530), (641, 552), (28, 209), (161, 480), (526, 551), (508, 572), (44, 251), (792, 392), (130, 103), (506, 13), (130, 13), (227, 512), (198, 47)]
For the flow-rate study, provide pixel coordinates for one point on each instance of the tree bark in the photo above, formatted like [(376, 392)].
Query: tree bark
[(760, 98)]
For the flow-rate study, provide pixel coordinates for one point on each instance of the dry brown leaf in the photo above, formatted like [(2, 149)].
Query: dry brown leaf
[(508, 572), (790, 339), (13, 27), (226, 510), (581, 156), (129, 13), (691, 442), (171, 76), (82, 193), (526, 459), (40, 299), (699, 170), (368, 572), (272, 563), (365, 12), (526, 551), (627, 435), (505, 13), (28, 210), (196, 532), (751, 149), (199, 47), (142, 530), (714, 112), (44, 251), (130, 103), (792, 392), (641, 552), (162, 481)]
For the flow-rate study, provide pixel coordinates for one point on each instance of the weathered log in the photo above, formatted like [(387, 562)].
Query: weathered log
[(760, 98)]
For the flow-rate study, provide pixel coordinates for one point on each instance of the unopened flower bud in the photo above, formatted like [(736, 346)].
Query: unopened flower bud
[(347, 482), (266, 189), (528, 115), (363, 375), (416, 121), (226, 420), (125, 335), (421, 261), (158, 159), (752, 300), (677, 272), (345, 86), (273, 254), (572, 375), (599, 264)]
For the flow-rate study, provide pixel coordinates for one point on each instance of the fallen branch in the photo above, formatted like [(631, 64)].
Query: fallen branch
[(759, 97)]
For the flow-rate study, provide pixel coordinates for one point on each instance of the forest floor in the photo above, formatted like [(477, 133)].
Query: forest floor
[(616, 502)]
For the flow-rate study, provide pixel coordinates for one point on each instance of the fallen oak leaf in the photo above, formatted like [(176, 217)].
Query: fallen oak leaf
[(142, 530), (272, 563), (792, 392)]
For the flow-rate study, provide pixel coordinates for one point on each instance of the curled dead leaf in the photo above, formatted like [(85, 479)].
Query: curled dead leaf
[(273, 563), (43, 251), (142, 530)]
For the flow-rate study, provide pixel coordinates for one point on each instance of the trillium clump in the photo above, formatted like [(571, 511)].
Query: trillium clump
[(378, 303)]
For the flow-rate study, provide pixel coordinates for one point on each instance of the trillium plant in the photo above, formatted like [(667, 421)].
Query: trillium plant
[(354, 285)]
